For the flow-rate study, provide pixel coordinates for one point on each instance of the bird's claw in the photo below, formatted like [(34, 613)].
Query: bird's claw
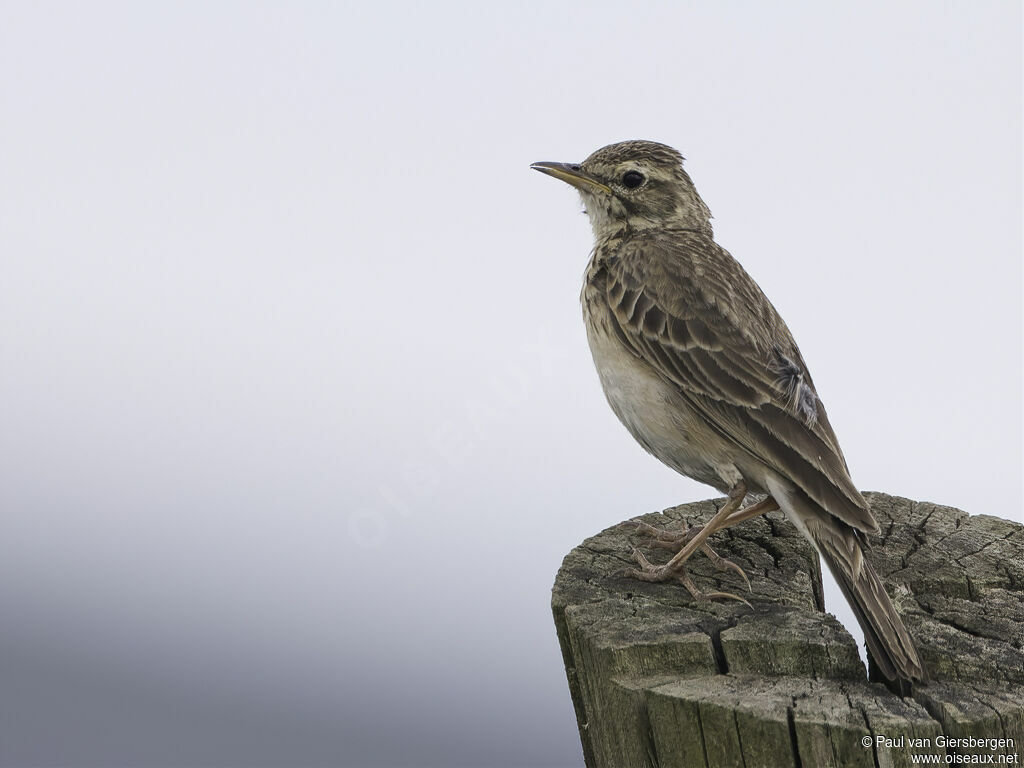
[(725, 564), (675, 540), (650, 572), (686, 581), (723, 596), (662, 537)]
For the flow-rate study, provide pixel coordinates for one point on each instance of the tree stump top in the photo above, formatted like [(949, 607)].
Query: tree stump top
[(659, 679)]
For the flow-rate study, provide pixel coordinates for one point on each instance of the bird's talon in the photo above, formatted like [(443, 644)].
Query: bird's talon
[(686, 581), (666, 538), (726, 563), (639, 557), (648, 571), (728, 596)]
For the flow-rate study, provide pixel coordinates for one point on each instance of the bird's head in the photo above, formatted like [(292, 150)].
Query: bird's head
[(634, 185)]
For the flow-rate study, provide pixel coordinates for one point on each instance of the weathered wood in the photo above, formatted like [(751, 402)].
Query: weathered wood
[(658, 679)]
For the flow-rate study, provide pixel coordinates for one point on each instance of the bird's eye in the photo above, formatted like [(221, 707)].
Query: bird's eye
[(632, 179)]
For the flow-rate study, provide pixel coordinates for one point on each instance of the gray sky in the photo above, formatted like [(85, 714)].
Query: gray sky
[(298, 413)]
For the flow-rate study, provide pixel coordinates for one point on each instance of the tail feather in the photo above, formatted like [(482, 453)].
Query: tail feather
[(889, 643), (888, 640)]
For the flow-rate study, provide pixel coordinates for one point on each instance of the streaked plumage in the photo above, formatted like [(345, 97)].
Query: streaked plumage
[(701, 369)]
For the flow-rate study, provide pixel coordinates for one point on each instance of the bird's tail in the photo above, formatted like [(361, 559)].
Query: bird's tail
[(888, 640)]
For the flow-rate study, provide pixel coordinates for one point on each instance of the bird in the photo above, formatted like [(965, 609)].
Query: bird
[(700, 368)]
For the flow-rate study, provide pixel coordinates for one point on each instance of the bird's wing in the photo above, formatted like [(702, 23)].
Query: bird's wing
[(692, 312)]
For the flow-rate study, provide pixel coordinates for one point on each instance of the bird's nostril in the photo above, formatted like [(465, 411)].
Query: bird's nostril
[(575, 168)]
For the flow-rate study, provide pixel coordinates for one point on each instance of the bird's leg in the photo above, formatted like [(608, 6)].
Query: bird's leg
[(687, 542), (754, 510), (650, 572), (674, 539), (684, 578)]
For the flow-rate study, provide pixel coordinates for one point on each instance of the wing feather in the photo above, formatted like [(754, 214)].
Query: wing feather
[(689, 309)]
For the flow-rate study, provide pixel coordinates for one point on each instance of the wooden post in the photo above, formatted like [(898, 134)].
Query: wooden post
[(658, 679)]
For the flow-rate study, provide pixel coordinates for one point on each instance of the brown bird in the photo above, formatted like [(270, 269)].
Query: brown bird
[(700, 368)]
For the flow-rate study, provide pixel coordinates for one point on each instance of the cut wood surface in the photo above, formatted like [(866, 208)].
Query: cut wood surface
[(659, 679)]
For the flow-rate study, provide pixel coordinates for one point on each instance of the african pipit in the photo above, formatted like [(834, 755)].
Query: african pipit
[(699, 367)]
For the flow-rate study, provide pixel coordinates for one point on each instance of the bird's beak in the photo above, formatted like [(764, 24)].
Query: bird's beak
[(572, 174)]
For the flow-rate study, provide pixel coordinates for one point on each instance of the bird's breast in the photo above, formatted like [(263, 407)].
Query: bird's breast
[(648, 405)]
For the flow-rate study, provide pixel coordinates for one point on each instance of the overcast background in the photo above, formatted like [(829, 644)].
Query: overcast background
[(298, 417)]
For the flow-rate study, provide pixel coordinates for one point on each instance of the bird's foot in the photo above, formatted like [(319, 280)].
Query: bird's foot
[(648, 571), (669, 538), (676, 539)]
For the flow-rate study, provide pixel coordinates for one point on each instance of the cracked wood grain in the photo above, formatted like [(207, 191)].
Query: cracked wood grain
[(658, 679)]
